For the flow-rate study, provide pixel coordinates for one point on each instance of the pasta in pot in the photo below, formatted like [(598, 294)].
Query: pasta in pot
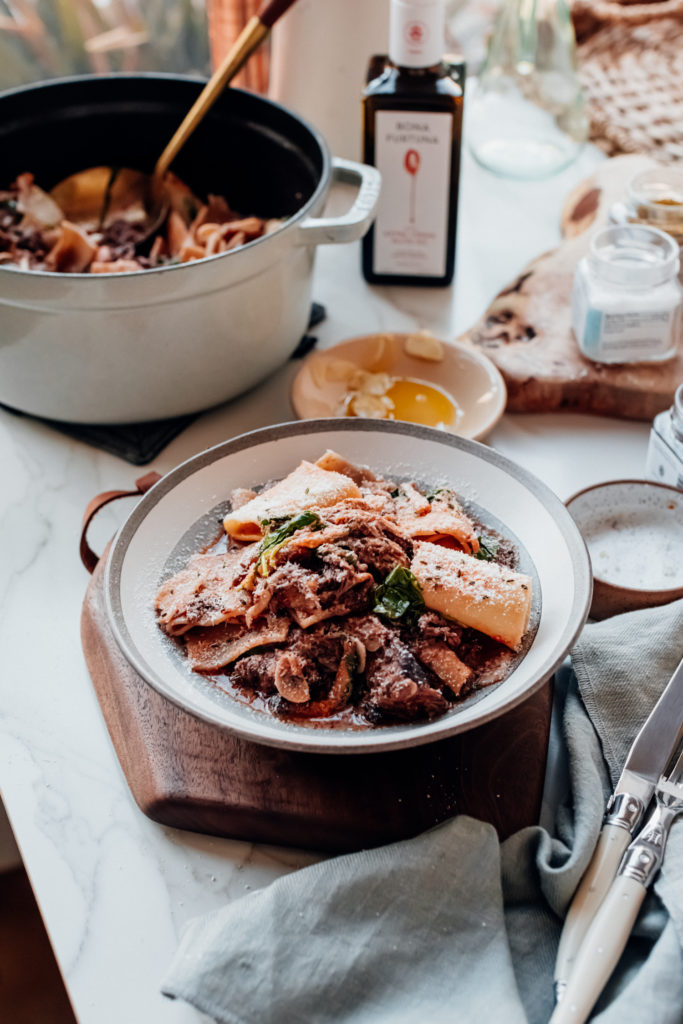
[(324, 604), (36, 235)]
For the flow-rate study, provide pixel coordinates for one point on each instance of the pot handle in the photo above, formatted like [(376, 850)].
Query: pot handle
[(142, 485), (356, 221)]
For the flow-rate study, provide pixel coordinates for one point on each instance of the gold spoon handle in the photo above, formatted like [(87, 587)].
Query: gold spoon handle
[(251, 36)]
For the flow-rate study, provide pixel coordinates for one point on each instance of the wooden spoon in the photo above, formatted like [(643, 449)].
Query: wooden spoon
[(98, 195)]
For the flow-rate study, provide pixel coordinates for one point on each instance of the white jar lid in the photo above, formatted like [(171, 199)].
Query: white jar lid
[(633, 256)]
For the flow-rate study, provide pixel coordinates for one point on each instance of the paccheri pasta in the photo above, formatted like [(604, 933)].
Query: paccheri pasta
[(341, 598), (308, 486), (491, 598)]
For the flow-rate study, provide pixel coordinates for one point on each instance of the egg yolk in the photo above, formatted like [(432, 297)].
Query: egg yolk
[(421, 403)]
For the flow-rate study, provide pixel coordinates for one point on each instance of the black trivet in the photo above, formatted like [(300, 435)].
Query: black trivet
[(139, 443)]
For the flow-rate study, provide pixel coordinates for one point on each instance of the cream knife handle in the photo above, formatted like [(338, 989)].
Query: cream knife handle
[(592, 890), (601, 950)]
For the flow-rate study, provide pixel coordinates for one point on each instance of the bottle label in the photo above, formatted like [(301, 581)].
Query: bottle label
[(620, 337), (413, 155)]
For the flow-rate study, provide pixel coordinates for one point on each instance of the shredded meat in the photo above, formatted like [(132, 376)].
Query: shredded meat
[(256, 672), (310, 593), (431, 626), (445, 663), (310, 675), (24, 244), (399, 688)]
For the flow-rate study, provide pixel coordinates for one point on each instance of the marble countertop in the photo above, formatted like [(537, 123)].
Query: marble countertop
[(115, 888)]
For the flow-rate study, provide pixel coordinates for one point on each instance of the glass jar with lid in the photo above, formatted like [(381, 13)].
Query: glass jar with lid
[(626, 301), (655, 199)]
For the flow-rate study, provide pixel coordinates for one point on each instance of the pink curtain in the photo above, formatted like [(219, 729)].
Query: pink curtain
[(227, 18)]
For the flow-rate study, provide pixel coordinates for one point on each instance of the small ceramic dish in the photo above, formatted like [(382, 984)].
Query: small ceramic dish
[(464, 377), (634, 533)]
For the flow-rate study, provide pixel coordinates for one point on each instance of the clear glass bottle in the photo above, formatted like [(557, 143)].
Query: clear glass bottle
[(412, 128), (527, 117), (665, 451)]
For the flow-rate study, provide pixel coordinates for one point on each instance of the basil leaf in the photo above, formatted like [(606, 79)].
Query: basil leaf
[(435, 493), (399, 597), (274, 540), (488, 548)]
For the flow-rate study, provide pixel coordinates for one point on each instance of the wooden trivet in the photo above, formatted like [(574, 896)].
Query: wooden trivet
[(527, 332), (187, 774)]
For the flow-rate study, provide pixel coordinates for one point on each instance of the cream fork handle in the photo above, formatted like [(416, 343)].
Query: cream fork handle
[(592, 890), (601, 950)]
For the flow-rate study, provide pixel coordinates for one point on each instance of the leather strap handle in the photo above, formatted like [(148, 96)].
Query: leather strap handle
[(142, 485)]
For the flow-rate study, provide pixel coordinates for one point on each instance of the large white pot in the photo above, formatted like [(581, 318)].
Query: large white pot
[(117, 348)]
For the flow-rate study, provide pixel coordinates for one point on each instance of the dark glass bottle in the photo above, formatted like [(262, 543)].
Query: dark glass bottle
[(412, 128)]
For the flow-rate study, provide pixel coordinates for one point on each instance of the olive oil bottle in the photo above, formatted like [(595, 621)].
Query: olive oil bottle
[(412, 129)]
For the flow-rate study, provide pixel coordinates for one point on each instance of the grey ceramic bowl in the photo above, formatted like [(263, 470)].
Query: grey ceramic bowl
[(183, 511)]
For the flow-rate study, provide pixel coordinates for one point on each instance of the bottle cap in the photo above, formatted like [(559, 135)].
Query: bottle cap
[(416, 32)]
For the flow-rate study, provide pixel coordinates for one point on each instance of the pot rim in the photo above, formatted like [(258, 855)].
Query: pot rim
[(301, 213)]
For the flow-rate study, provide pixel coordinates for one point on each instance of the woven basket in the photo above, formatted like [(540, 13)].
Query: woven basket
[(631, 61)]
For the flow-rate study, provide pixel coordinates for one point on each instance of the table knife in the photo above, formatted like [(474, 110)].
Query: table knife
[(645, 763), (610, 929)]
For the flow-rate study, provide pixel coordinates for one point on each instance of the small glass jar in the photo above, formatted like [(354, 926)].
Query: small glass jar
[(655, 199), (626, 301), (665, 451)]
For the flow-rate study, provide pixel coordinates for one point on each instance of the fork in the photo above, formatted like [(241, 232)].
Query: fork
[(612, 925)]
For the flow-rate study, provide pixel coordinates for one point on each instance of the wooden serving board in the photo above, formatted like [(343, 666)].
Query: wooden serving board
[(527, 332), (187, 774)]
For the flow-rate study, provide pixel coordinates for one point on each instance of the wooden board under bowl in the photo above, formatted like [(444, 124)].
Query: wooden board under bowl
[(526, 331), (187, 774)]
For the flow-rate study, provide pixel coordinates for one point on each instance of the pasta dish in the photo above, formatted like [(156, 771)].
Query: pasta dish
[(36, 235), (338, 597)]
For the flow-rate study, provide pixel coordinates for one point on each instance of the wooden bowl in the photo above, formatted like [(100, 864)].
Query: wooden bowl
[(634, 533)]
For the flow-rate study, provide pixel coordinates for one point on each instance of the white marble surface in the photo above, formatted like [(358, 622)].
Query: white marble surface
[(114, 887)]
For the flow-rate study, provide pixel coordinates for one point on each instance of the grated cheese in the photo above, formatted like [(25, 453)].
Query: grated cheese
[(483, 595)]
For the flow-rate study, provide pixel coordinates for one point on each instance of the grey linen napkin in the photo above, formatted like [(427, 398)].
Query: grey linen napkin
[(453, 926)]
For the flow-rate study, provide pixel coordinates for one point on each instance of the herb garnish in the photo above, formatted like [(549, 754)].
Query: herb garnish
[(272, 542), (435, 494), (399, 597), (488, 548)]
